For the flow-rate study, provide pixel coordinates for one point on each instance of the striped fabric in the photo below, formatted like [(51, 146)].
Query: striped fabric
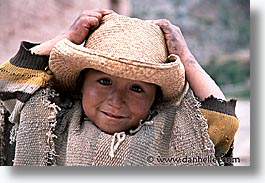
[(20, 77)]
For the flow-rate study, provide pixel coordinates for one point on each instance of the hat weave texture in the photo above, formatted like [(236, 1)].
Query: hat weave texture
[(125, 47)]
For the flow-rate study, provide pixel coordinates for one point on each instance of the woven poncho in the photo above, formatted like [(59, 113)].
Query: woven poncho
[(177, 136)]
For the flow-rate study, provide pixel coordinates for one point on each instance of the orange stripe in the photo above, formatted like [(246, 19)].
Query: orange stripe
[(19, 75)]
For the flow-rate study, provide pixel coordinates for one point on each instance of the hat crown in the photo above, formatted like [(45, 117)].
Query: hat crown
[(126, 47), (129, 38)]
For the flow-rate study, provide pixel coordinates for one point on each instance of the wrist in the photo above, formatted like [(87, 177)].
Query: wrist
[(186, 56), (46, 47), (188, 61)]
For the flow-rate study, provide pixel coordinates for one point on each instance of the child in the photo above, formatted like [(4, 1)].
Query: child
[(122, 99)]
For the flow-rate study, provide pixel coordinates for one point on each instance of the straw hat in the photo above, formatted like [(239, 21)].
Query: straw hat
[(125, 47)]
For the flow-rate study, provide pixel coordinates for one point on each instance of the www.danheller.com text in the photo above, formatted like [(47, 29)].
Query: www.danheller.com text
[(196, 159)]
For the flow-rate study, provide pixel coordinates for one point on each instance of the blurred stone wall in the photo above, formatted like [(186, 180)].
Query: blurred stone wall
[(216, 28), (40, 20)]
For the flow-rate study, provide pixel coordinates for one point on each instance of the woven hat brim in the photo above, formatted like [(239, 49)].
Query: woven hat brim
[(67, 60)]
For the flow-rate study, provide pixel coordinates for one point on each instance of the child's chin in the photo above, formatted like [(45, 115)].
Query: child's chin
[(110, 131)]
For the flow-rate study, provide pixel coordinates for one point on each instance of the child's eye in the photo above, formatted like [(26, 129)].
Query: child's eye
[(105, 81), (136, 88)]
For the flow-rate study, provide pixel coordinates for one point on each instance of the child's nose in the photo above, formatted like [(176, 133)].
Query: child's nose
[(117, 98)]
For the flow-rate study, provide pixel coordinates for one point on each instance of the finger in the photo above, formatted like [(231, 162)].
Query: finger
[(86, 21), (161, 22), (90, 13), (105, 11), (150, 21), (164, 24), (90, 21), (98, 13), (79, 30)]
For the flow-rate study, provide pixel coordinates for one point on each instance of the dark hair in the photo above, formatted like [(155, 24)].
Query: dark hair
[(81, 78), (158, 96)]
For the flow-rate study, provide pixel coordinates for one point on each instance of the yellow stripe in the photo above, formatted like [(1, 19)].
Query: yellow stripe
[(19, 75)]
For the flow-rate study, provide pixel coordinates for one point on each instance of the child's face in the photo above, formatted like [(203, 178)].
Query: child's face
[(115, 104)]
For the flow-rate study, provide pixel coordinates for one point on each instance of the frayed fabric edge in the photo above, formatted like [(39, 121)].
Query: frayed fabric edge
[(2, 127), (54, 109)]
